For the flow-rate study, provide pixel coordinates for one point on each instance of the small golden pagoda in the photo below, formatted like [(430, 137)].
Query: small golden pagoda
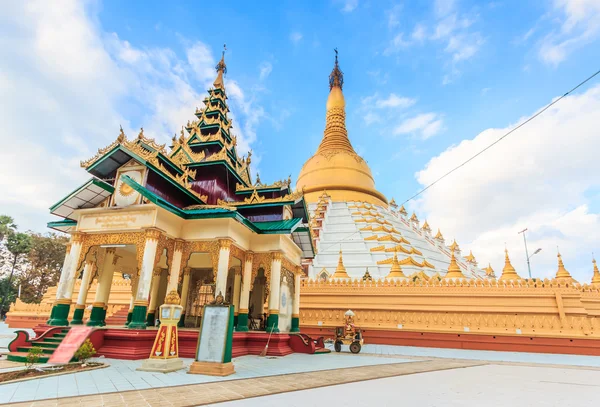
[(596, 277), (453, 269), (340, 271), (508, 272), (396, 270), (562, 274)]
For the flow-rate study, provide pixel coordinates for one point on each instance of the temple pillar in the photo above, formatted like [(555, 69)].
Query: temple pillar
[(175, 266), (60, 309), (296, 306), (153, 297), (140, 305), (130, 307), (237, 288), (98, 314), (222, 267), (185, 286), (275, 286), (83, 291), (242, 322)]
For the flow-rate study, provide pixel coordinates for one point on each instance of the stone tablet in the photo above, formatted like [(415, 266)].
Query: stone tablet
[(213, 334)]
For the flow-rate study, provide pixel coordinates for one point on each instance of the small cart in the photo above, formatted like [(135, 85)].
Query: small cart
[(355, 339)]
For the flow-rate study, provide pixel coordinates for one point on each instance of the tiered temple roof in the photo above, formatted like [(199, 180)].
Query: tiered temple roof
[(200, 175)]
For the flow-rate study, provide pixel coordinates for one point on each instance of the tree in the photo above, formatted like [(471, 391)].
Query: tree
[(17, 244), (44, 264), (7, 226)]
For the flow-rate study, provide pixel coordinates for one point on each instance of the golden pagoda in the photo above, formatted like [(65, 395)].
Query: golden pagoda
[(562, 274), (396, 270), (453, 269), (596, 277), (336, 159), (508, 272), (340, 271)]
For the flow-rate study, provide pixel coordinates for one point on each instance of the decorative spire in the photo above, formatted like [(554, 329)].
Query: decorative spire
[(596, 277), (470, 258), (121, 136), (414, 217), (402, 211), (489, 271), (453, 270), (395, 271), (439, 235), (367, 276), (393, 203), (562, 272), (257, 179), (340, 271), (221, 70), (454, 246), (508, 272), (426, 226), (336, 77), (335, 138), (141, 134)]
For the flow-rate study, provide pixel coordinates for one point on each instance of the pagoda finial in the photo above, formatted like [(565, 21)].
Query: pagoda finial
[(257, 179), (336, 78), (121, 136), (182, 136), (141, 134), (221, 69)]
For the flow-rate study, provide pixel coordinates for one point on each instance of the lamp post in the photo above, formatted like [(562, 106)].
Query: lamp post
[(527, 254)]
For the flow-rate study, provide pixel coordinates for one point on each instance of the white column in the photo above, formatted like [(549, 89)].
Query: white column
[(175, 266), (237, 287), (105, 278), (154, 290), (245, 294), (143, 288), (275, 283), (222, 267), (185, 286), (296, 309), (67, 276), (85, 283)]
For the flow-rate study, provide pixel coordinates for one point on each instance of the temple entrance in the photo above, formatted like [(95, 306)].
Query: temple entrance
[(200, 290), (257, 311)]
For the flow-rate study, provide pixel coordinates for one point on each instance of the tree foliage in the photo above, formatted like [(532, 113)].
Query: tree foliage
[(30, 259), (43, 266)]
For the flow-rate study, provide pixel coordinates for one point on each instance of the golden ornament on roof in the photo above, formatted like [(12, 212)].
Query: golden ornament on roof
[(172, 298)]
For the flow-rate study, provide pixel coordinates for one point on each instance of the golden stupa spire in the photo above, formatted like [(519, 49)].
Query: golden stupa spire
[(340, 271), (453, 270), (439, 235), (596, 277), (489, 271), (562, 272), (396, 270), (221, 70), (508, 272), (336, 135)]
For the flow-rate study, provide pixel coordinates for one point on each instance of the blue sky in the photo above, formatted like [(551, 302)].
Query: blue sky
[(427, 84)]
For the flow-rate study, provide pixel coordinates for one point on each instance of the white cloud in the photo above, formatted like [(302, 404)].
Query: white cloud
[(396, 44), (464, 46), (579, 24), (537, 178), (424, 125), (296, 37), (395, 101), (419, 33), (265, 70), (393, 15), (349, 5), (80, 78)]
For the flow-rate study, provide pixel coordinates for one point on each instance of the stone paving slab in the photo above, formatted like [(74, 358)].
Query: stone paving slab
[(208, 393), (122, 375)]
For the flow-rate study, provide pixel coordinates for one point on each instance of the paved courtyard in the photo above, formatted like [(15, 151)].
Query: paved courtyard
[(380, 375)]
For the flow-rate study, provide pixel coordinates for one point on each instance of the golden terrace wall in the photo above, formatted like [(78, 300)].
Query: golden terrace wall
[(548, 308)]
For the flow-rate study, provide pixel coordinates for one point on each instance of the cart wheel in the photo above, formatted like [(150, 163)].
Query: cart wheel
[(337, 346), (355, 347)]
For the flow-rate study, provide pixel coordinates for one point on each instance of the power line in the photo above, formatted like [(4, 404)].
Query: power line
[(504, 136)]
